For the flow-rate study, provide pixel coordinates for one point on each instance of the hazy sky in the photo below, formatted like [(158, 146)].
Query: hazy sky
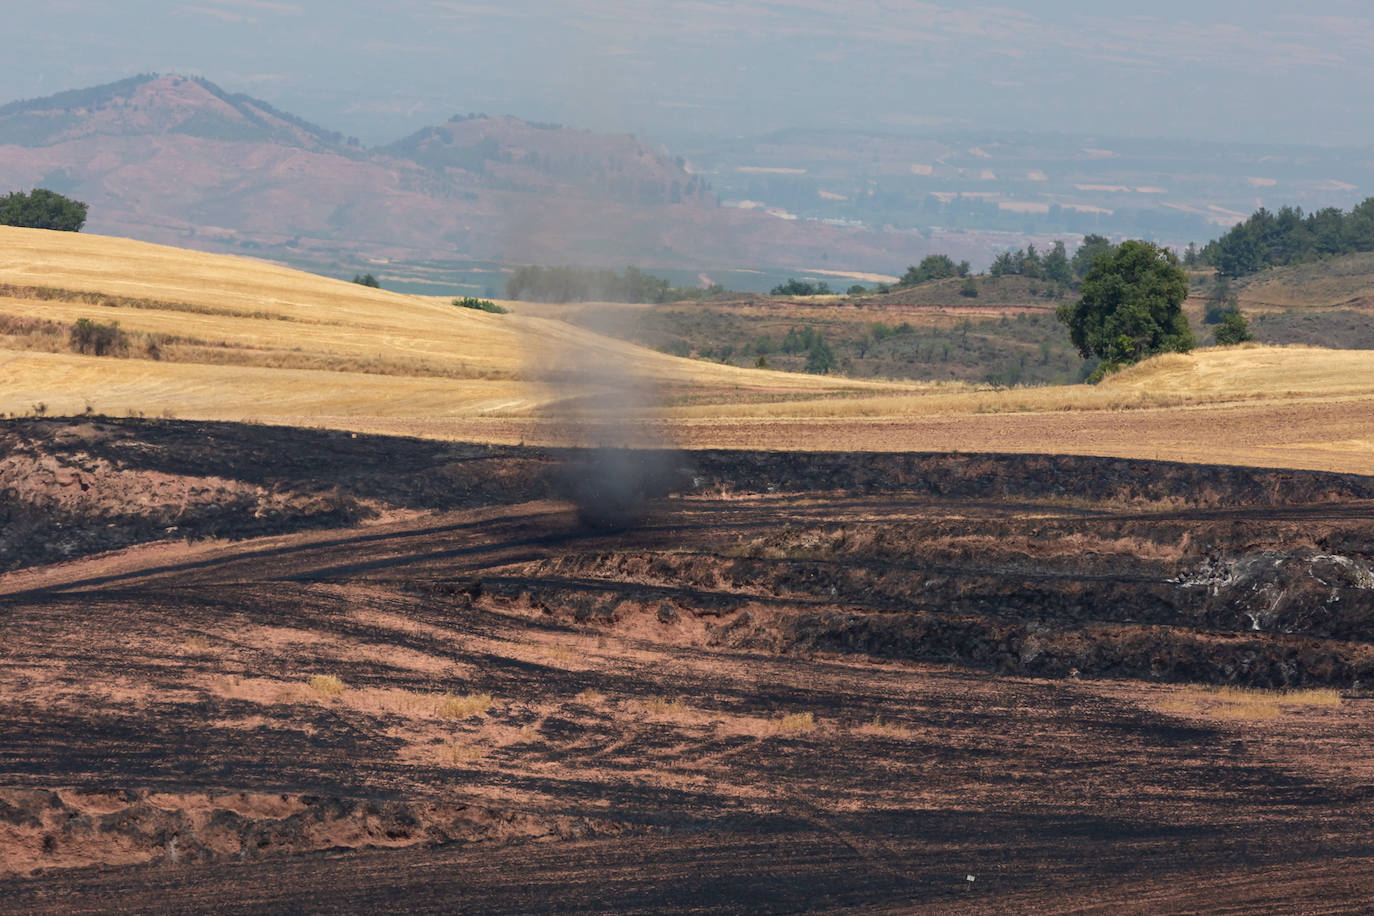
[(1252, 70)]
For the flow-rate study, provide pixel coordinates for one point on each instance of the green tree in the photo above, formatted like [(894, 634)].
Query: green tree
[(367, 280), (1131, 306), (1221, 300), (1055, 265), (969, 289), (42, 209), (1093, 247), (794, 287), (1233, 329), (820, 359), (932, 267), (1005, 262)]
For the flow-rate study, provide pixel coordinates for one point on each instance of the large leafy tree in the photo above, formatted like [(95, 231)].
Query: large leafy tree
[(1131, 306), (42, 209)]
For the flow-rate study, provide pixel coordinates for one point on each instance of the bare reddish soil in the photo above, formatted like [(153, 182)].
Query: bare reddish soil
[(795, 682)]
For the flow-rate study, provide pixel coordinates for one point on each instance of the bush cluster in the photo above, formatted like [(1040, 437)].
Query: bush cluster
[(481, 305)]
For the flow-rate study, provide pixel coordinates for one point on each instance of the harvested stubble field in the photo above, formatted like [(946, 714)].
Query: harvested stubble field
[(243, 340), (400, 674)]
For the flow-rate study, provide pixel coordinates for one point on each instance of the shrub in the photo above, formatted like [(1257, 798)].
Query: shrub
[(969, 289), (98, 339), (481, 305), (366, 280), (1233, 329)]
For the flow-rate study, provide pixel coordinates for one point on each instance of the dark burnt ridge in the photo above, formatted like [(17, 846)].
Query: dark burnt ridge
[(1027, 564), (78, 486)]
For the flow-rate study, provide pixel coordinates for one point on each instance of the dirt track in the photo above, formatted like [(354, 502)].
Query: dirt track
[(999, 666)]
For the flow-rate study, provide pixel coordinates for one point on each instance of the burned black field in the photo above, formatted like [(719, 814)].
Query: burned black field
[(260, 669)]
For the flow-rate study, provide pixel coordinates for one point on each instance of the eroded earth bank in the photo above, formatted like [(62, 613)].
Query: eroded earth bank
[(271, 669)]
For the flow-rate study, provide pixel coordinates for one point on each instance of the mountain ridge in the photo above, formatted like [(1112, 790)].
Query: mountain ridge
[(178, 160)]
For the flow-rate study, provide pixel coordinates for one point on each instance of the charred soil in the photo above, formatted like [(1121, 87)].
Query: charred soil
[(280, 669)]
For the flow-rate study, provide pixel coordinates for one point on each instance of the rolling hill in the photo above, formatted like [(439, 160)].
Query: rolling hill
[(221, 337), (1346, 281), (224, 338)]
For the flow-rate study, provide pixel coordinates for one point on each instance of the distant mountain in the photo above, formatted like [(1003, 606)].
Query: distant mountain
[(149, 105), (178, 160), (519, 156)]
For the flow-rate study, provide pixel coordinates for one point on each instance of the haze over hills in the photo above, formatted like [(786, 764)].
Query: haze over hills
[(178, 160)]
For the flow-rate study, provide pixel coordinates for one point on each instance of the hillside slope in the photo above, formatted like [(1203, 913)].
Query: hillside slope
[(1342, 282), (180, 161), (218, 337)]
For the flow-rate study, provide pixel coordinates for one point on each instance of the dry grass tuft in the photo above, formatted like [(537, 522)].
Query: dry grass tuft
[(1317, 696), (795, 723), (196, 643), (460, 754), (664, 708), (464, 706), (879, 728), (1245, 702), (561, 653), (591, 697), (327, 685), (660, 706)]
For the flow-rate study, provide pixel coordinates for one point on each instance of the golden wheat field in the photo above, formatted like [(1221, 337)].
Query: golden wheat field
[(237, 338), (219, 337)]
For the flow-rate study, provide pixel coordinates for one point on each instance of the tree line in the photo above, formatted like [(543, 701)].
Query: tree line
[(1287, 237), (576, 284)]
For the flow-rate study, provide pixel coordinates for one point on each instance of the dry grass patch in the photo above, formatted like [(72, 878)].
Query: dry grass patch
[(664, 708), (882, 729), (327, 685), (196, 643), (464, 706), (591, 697), (561, 653), (1210, 376), (795, 723), (1245, 703), (459, 754)]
